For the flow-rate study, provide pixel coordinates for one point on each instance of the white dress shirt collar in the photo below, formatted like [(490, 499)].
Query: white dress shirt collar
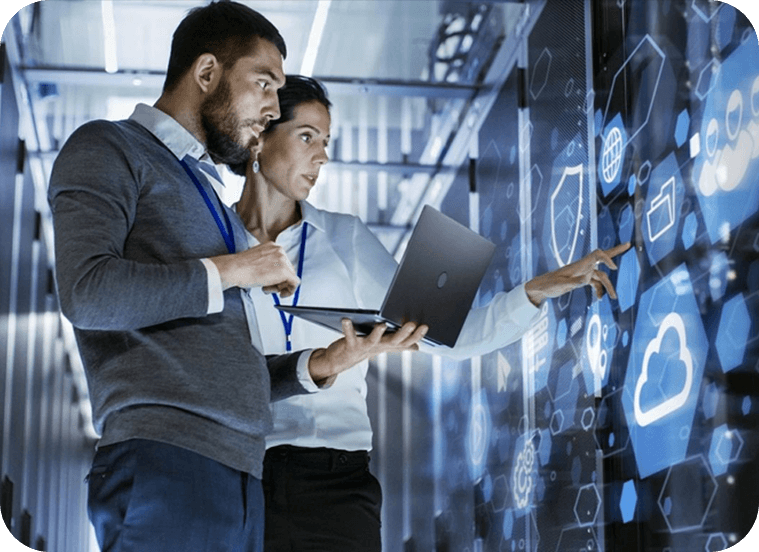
[(167, 129), (313, 216)]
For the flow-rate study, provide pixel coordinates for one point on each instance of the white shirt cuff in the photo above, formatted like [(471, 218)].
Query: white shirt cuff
[(215, 290), (523, 308), (304, 376)]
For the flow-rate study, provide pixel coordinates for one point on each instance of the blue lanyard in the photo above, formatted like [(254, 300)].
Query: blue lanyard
[(226, 232), (287, 321)]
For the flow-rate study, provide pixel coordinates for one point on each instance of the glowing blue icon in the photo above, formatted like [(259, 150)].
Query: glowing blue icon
[(682, 127), (614, 142), (628, 501), (566, 225), (664, 408), (690, 226), (478, 435), (612, 154), (601, 333), (734, 329), (725, 171), (662, 215), (725, 449), (524, 476), (538, 345), (627, 280), (665, 367), (566, 215)]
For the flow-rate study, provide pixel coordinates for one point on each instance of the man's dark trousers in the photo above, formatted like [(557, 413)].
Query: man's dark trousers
[(146, 496)]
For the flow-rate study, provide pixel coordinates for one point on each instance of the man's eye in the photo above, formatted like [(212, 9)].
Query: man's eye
[(306, 138), (263, 85)]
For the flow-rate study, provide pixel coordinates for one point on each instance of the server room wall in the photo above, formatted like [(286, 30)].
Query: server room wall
[(629, 424), (45, 451)]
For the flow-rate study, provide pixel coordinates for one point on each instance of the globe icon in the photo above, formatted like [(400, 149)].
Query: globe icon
[(611, 158)]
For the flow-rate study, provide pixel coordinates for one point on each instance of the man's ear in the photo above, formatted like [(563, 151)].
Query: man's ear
[(206, 72)]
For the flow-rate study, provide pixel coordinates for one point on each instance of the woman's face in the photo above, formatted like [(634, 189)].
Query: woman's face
[(293, 152)]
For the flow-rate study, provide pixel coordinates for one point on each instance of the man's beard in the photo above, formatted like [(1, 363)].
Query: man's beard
[(222, 128)]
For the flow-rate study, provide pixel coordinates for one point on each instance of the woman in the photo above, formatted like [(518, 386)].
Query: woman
[(319, 492)]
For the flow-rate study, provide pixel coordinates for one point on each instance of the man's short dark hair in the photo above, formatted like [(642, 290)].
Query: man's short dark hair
[(228, 30), (297, 90)]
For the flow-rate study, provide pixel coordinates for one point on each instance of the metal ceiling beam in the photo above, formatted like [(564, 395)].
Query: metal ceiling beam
[(153, 80), (405, 169), (392, 168)]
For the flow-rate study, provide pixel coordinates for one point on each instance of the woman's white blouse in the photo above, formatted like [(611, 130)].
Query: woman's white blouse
[(345, 265)]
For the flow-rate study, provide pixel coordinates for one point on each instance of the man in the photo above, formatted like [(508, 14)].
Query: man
[(149, 263)]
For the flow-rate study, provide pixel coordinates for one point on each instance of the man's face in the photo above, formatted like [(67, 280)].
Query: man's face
[(243, 103)]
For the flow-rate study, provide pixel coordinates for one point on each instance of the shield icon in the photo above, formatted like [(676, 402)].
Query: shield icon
[(566, 214)]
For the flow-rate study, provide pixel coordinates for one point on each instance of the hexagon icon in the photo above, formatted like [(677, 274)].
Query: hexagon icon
[(661, 213), (540, 72), (610, 433), (716, 543), (628, 501), (566, 225), (644, 66), (478, 435), (734, 329), (613, 143), (707, 79), (557, 422), (627, 280), (664, 372), (565, 208), (626, 223), (587, 505), (724, 173), (525, 473), (725, 449), (690, 226), (681, 512), (601, 332), (706, 9), (682, 127), (544, 449)]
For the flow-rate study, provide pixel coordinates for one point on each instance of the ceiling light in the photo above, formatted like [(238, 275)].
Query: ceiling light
[(315, 38), (109, 37)]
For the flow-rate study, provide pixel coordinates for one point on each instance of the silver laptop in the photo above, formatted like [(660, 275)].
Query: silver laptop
[(434, 284)]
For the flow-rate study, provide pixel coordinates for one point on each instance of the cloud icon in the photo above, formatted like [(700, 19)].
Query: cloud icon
[(644, 418)]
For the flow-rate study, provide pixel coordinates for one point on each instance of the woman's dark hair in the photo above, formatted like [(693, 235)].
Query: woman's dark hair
[(297, 90), (225, 29)]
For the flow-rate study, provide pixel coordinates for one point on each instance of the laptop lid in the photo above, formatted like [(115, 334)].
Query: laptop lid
[(434, 284), (438, 277)]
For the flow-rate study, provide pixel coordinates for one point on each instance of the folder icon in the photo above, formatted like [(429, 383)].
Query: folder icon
[(661, 215)]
